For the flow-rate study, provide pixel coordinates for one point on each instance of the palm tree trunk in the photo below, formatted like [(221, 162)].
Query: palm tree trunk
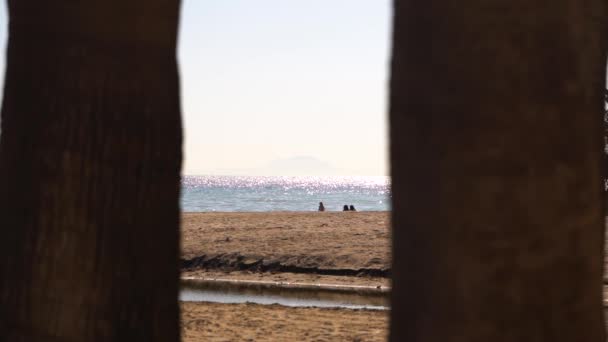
[(496, 132), (90, 156)]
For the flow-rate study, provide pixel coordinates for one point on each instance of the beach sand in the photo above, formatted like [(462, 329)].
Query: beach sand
[(288, 246), (252, 322), (380, 283), (335, 248)]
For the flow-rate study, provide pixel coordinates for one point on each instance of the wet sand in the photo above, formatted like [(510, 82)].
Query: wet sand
[(287, 279), (253, 322)]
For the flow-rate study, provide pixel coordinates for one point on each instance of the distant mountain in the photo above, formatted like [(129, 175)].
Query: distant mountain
[(300, 166), (294, 166)]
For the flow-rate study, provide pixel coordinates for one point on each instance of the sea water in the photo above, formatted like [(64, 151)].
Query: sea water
[(260, 193)]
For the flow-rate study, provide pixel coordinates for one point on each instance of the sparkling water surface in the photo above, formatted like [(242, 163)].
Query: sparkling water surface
[(261, 193)]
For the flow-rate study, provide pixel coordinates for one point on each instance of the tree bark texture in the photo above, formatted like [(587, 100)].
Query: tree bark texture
[(90, 156), (496, 146)]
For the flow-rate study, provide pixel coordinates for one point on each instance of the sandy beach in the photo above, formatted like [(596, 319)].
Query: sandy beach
[(343, 247), (252, 322), (333, 248)]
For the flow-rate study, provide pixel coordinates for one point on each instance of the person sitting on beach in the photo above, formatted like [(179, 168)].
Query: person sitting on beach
[(352, 208), (345, 208), (321, 206)]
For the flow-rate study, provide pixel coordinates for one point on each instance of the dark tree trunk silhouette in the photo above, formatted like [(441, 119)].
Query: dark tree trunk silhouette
[(496, 135), (90, 155), (606, 152)]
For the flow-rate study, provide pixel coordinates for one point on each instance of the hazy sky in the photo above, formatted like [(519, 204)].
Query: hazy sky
[(283, 87)]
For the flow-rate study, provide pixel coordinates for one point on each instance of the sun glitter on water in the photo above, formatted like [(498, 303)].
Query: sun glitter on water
[(284, 193)]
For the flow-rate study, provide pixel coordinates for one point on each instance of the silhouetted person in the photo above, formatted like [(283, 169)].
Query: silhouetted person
[(352, 208), (321, 206), (345, 208)]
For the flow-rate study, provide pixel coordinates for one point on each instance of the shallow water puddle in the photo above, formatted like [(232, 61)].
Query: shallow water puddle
[(197, 291)]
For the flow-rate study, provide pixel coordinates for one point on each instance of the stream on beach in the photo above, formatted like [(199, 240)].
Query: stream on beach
[(208, 291)]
